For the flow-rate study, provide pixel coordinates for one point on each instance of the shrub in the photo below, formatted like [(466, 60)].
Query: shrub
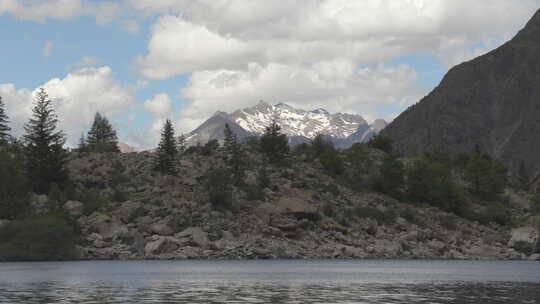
[(382, 217), (487, 178), (331, 161), (210, 147), (391, 179), (430, 180), (381, 142), (49, 238), (92, 201), (328, 209), (495, 212), (219, 188), (14, 188)]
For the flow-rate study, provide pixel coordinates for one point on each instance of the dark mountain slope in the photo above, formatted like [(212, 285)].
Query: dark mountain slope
[(492, 102)]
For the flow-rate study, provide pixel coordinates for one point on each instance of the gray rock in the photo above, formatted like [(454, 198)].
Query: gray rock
[(109, 228), (129, 211), (197, 236), (74, 208), (524, 239), (162, 245), (162, 228)]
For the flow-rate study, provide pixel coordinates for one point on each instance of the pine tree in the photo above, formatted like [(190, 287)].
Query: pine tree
[(102, 137), (167, 151), (274, 144), (83, 146), (487, 178), (391, 179), (234, 155), (4, 128), (181, 144), (44, 146)]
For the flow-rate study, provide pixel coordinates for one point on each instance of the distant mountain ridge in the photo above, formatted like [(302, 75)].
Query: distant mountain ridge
[(300, 125), (491, 103)]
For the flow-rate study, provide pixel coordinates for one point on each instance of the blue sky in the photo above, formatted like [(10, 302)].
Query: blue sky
[(142, 61)]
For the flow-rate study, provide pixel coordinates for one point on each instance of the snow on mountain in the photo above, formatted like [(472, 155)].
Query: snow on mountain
[(297, 122), (300, 125)]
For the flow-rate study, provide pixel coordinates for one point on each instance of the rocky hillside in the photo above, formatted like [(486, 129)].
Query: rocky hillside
[(491, 102), (299, 125), (129, 211)]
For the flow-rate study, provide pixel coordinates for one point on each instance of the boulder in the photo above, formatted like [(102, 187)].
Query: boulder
[(162, 228), (109, 228), (129, 210), (163, 245), (524, 239), (74, 208), (196, 235)]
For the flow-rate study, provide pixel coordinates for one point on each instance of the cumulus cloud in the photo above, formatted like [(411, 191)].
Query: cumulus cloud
[(211, 35), (159, 106), (41, 10), (76, 98), (337, 86)]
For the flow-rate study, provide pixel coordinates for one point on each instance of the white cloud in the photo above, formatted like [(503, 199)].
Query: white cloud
[(230, 34), (159, 106), (41, 10), (47, 49), (337, 86), (76, 98)]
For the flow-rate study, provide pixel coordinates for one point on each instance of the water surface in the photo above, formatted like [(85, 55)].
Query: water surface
[(314, 281)]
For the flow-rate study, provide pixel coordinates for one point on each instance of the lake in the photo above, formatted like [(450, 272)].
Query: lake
[(279, 281)]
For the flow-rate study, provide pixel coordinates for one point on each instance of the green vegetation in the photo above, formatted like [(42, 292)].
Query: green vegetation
[(391, 179), (234, 156), (274, 144), (261, 169), (4, 128), (381, 142), (14, 186), (38, 239), (44, 147), (382, 217), (101, 137), (167, 151), (487, 178), (219, 188), (430, 180)]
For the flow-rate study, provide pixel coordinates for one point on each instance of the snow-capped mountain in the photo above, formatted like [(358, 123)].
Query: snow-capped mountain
[(300, 125), (297, 122)]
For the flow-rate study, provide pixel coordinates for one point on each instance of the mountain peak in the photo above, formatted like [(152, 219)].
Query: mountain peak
[(282, 105), (300, 125), (489, 104), (531, 32), (320, 111)]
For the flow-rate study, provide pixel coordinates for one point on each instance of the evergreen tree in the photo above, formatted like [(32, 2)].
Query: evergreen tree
[(274, 144), (430, 180), (102, 137), (487, 178), (234, 155), (44, 146), (391, 179), (14, 189), (181, 144), (4, 128), (381, 142), (83, 147), (167, 151)]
